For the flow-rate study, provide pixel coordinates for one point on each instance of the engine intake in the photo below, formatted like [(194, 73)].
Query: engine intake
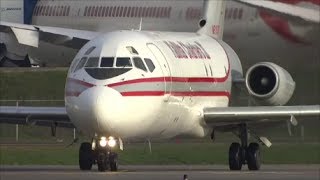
[(269, 84)]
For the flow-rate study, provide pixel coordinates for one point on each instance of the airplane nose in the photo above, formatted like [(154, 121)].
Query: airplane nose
[(95, 109), (104, 110), (108, 109)]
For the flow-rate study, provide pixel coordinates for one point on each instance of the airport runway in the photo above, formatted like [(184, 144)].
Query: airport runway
[(161, 172)]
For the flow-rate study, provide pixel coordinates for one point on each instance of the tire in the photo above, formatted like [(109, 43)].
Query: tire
[(85, 156), (102, 162), (113, 159), (235, 160), (254, 156)]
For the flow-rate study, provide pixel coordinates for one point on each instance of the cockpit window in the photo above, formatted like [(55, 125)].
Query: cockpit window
[(138, 63), (81, 63), (92, 62), (90, 50), (132, 50), (107, 62), (150, 64), (73, 65), (123, 62)]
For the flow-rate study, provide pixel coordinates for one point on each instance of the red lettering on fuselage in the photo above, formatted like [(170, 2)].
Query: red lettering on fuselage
[(187, 50)]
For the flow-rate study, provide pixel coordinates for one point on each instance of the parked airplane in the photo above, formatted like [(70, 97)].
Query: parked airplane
[(246, 26), (155, 84)]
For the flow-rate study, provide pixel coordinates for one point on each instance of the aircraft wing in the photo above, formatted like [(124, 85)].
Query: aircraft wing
[(42, 116), (31, 35), (231, 116), (288, 10)]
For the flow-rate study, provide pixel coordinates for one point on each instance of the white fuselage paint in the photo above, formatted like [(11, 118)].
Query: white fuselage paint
[(191, 72)]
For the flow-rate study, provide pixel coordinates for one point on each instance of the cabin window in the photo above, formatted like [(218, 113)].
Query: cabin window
[(124, 12), (114, 11), (150, 64), (103, 11), (57, 11), (129, 12), (121, 10), (132, 12), (50, 11), (107, 10), (235, 13), (100, 11), (144, 10), (81, 63), (88, 12), (96, 11), (118, 12), (140, 12), (92, 11), (138, 63), (157, 12), (47, 11), (162, 12), (132, 50), (85, 11), (110, 11), (123, 62), (54, 11), (240, 14), (65, 11), (107, 62), (40, 11), (229, 13), (92, 62), (68, 11), (35, 10)]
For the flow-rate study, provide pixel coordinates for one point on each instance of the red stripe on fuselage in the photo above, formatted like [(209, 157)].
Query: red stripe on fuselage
[(170, 79), (162, 93)]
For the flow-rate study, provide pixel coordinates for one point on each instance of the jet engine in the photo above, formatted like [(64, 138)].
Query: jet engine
[(269, 84)]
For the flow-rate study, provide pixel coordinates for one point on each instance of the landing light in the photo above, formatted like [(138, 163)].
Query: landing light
[(111, 141), (103, 142)]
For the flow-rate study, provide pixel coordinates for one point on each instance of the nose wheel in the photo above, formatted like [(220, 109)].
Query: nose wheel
[(103, 157), (240, 154), (106, 160)]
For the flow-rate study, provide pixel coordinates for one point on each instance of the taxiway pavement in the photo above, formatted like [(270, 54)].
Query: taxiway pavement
[(161, 172)]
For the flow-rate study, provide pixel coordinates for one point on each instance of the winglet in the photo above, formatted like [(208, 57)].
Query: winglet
[(212, 22)]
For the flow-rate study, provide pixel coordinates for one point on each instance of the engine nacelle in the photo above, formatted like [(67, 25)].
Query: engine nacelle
[(269, 84)]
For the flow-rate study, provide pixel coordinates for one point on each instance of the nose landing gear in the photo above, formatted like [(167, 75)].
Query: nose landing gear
[(244, 154), (103, 156)]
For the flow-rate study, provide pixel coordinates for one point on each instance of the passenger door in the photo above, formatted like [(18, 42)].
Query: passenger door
[(163, 63)]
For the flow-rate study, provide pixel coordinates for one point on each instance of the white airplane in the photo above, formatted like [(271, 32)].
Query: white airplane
[(155, 84)]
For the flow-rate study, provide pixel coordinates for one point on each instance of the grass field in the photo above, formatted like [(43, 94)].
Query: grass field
[(33, 85), (162, 153)]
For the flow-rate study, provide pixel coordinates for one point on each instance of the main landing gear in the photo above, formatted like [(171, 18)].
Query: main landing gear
[(240, 154), (98, 153)]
